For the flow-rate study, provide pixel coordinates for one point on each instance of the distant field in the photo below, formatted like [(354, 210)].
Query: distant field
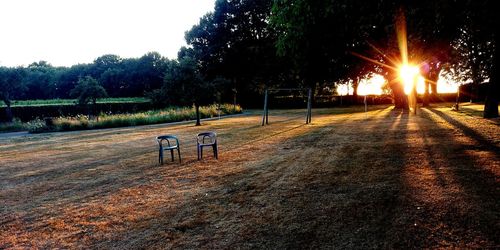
[(22, 103)]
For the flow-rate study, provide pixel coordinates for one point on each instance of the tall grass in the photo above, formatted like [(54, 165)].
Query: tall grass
[(173, 114), (22, 103)]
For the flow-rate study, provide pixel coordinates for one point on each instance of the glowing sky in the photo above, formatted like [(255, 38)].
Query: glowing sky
[(375, 84), (68, 32)]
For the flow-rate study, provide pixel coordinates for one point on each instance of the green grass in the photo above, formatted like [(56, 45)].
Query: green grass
[(21, 103), (173, 114)]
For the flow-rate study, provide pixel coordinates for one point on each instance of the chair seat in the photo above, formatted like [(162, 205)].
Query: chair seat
[(170, 147)]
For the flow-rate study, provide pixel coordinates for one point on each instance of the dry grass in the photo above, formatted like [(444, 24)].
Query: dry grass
[(385, 179)]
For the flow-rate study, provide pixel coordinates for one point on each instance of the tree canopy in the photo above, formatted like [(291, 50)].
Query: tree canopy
[(88, 90)]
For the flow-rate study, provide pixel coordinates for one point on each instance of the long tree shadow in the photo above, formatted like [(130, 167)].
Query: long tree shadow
[(484, 142), (455, 192)]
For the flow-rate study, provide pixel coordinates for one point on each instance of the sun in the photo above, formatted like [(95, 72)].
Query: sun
[(409, 75)]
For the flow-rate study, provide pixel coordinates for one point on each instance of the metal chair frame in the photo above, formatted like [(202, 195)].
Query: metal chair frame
[(201, 143), (170, 146)]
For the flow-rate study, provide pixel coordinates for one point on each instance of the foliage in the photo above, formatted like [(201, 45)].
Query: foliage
[(120, 77), (11, 86), (15, 125), (235, 42), (88, 90), (49, 102), (172, 114), (184, 84), (318, 35)]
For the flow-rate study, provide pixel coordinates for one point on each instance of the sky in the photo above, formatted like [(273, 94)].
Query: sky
[(68, 32)]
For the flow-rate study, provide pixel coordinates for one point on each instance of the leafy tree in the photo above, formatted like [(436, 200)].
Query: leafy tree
[(87, 91), (184, 85), (235, 42), (482, 17), (316, 35), (40, 80), (11, 86)]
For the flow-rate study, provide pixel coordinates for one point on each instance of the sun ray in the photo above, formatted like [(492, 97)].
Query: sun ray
[(373, 61), (393, 61), (402, 37)]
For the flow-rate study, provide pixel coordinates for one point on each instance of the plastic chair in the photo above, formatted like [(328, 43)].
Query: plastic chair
[(206, 139), (170, 146)]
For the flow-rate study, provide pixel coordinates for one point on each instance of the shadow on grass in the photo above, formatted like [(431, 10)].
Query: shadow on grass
[(468, 216), (470, 132), (291, 201)]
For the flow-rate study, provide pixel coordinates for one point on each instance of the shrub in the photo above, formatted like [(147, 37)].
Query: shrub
[(15, 125)]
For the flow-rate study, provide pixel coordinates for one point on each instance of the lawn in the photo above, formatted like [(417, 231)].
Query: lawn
[(382, 179)]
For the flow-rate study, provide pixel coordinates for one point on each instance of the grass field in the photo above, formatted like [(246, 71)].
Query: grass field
[(384, 179), (19, 103)]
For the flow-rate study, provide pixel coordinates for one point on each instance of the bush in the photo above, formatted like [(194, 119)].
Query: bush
[(15, 125)]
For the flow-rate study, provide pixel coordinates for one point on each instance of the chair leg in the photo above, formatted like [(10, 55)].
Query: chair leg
[(172, 154), (201, 152), (215, 151), (160, 156), (198, 150), (179, 153)]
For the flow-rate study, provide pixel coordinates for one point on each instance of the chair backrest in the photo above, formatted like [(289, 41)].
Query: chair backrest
[(201, 137), (168, 138)]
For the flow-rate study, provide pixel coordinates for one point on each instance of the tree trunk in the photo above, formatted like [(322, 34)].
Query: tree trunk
[(492, 96), (355, 91), (400, 99), (434, 91), (197, 108), (425, 101), (8, 111)]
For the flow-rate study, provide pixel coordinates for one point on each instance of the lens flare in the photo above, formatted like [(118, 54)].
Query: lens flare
[(408, 75)]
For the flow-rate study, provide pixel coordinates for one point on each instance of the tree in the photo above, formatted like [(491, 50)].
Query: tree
[(492, 98), (317, 33), (40, 80), (487, 23), (237, 43), (184, 85), (87, 91), (322, 37), (11, 86)]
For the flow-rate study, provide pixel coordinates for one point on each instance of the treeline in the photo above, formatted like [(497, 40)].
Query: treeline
[(121, 77)]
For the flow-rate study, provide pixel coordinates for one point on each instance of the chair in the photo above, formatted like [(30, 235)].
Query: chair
[(170, 146), (206, 139)]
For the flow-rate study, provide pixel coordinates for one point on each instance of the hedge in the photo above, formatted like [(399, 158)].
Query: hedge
[(28, 113)]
